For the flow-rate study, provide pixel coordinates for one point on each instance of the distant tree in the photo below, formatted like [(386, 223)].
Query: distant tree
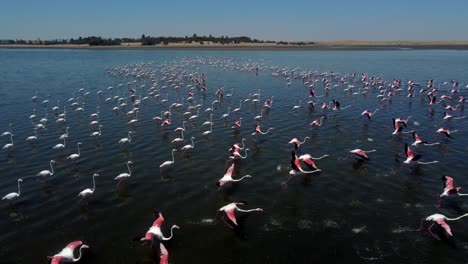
[(143, 36)]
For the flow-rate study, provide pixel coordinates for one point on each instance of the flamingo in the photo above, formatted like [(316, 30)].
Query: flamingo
[(7, 133), (178, 140), (155, 230), (362, 154), (227, 114), (297, 143), (126, 140), (195, 116), (124, 175), (230, 210), (417, 141), (66, 255), (446, 132), (259, 117), (449, 189), (258, 130), (296, 167), (368, 113), (318, 122), (88, 192), (9, 145), (97, 133), (166, 122), (63, 136), (75, 156), (237, 145), (239, 108), (212, 106), (61, 146), (180, 128), (188, 146), (309, 160), (45, 173), (133, 121), (440, 219), (228, 177), (236, 154), (410, 157), (297, 106), (159, 118), (247, 99), (208, 132), (237, 123), (31, 138), (13, 195), (167, 163), (206, 123)]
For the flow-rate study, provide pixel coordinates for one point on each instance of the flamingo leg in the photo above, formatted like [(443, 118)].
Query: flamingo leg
[(421, 225), (290, 177), (429, 229)]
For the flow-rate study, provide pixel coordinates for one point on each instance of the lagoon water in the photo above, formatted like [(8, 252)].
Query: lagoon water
[(351, 212)]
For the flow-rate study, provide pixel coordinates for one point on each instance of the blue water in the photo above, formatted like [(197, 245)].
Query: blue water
[(351, 211)]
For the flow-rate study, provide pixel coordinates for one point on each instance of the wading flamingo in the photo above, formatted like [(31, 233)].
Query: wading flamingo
[(76, 155), (168, 163), (87, 192), (45, 173), (124, 175), (13, 195)]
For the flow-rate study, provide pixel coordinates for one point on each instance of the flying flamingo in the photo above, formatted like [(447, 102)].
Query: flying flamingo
[(237, 145), (87, 192), (309, 160), (318, 122), (188, 146), (410, 157), (66, 255), (449, 189), (362, 154), (124, 175), (417, 141), (75, 155), (258, 130), (440, 220), (167, 163), (155, 230), (14, 195), (228, 177), (296, 168), (446, 132), (230, 210), (45, 173), (126, 140), (368, 113), (297, 143), (236, 154)]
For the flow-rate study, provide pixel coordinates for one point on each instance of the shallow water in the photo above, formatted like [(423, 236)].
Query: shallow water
[(351, 211)]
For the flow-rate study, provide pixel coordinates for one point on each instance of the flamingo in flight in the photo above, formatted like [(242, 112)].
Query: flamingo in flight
[(318, 122), (402, 121), (446, 132), (440, 219), (297, 143), (230, 210), (309, 160), (411, 157), (362, 154), (155, 230), (66, 255), (368, 113), (296, 167), (236, 154), (449, 190), (228, 177), (258, 131), (417, 141)]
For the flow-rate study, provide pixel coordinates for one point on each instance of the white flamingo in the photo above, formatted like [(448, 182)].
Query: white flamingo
[(188, 146), (13, 195), (9, 145), (75, 155), (97, 133), (45, 173), (32, 138), (168, 163), (124, 175), (87, 192), (126, 140), (61, 146)]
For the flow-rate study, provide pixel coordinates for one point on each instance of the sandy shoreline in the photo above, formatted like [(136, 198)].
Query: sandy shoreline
[(335, 45)]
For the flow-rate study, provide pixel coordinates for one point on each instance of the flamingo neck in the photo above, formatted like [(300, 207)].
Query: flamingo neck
[(304, 140), (78, 145), (169, 238), (193, 144), (51, 168), (453, 219), (94, 183), (246, 176), (172, 156), (79, 257), (128, 167), (129, 138), (19, 190)]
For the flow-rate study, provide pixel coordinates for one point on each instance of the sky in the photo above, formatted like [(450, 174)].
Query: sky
[(287, 20)]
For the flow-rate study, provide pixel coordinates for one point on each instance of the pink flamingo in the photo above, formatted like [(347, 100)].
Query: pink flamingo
[(230, 210), (297, 143), (362, 154), (411, 157), (258, 131), (449, 190), (66, 255), (318, 122), (166, 122), (309, 160), (237, 146), (417, 141), (237, 123), (440, 220), (155, 230), (296, 167), (236, 154), (368, 113), (228, 177), (446, 132)]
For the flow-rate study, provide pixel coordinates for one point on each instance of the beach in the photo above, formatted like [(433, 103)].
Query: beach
[(292, 46)]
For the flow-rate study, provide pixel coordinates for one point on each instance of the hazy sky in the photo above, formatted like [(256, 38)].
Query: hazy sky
[(264, 19)]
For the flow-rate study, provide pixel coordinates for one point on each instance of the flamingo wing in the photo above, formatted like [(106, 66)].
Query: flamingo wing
[(310, 163), (231, 215), (444, 225), (408, 152), (448, 182), (159, 221), (295, 162), (164, 255), (56, 260), (74, 244), (230, 170)]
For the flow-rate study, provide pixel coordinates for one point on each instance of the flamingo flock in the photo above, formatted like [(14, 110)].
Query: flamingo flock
[(162, 82)]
